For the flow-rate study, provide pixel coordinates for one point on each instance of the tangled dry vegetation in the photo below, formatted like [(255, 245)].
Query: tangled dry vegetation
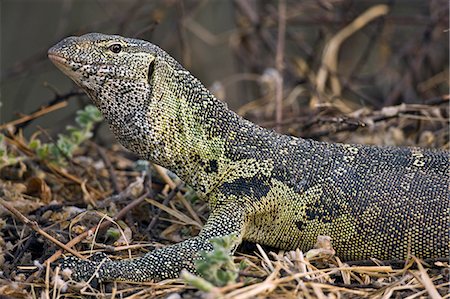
[(70, 195)]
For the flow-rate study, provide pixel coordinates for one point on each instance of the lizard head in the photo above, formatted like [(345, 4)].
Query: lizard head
[(124, 77), (96, 60)]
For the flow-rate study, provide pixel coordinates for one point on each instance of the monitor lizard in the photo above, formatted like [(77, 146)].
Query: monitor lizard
[(277, 190)]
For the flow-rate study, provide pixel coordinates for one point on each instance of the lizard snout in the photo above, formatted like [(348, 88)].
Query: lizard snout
[(59, 52)]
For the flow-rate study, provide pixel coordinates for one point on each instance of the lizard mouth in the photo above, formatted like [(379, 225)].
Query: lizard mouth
[(56, 59), (63, 64)]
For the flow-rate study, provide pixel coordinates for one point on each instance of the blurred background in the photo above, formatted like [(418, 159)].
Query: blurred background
[(362, 71)]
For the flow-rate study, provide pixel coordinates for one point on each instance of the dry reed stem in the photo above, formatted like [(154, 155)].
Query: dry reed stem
[(329, 67), (162, 172), (34, 115)]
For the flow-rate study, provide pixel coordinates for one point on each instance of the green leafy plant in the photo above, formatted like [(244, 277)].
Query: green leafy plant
[(217, 266), (6, 157), (66, 144)]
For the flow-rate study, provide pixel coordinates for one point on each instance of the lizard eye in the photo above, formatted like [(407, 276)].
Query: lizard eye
[(115, 48)]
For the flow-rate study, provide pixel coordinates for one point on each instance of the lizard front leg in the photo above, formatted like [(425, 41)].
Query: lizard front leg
[(166, 262)]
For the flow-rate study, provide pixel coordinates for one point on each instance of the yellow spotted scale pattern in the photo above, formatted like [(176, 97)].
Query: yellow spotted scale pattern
[(276, 190)]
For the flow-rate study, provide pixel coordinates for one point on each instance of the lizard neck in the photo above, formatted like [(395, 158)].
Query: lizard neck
[(174, 121), (194, 128)]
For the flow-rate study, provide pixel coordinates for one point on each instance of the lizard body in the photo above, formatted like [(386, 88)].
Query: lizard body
[(277, 190)]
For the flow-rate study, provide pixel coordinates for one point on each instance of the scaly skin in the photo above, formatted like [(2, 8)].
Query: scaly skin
[(281, 191)]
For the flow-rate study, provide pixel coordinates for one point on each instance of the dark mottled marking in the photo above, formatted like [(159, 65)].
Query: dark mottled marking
[(324, 210), (253, 187), (213, 166), (301, 225)]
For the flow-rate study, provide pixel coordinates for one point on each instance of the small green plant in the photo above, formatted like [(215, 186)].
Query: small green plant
[(217, 266), (7, 158), (67, 144), (191, 195)]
